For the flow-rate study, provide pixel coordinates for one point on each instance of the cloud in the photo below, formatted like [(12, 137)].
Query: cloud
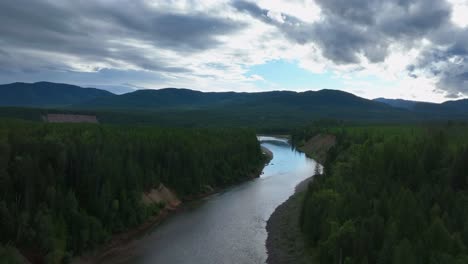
[(350, 29), (291, 26), (354, 32), (211, 44), (104, 34), (202, 45), (447, 60)]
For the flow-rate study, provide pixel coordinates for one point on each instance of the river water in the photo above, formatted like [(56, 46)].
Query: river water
[(228, 227)]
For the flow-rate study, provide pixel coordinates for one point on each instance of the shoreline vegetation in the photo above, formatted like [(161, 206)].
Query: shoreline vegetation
[(317, 147), (122, 242), (165, 198), (68, 189), (389, 195)]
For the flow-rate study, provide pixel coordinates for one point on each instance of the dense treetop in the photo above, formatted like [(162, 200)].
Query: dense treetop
[(395, 194), (65, 188)]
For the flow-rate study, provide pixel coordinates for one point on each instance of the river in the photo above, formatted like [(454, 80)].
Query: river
[(227, 227)]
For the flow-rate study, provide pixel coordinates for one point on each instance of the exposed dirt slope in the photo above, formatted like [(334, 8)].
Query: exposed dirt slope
[(318, 146), (161, 194)]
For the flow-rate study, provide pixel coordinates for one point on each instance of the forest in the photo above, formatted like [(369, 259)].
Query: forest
[(66, 188), (389, 195)]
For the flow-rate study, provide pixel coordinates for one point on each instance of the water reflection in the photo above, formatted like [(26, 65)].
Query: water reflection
[(228, 227)]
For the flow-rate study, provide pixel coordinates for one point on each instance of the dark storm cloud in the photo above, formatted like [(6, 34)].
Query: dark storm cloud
[(39, 32), (349, 29)]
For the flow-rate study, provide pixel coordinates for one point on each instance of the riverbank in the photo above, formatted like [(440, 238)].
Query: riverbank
[(318, 146), (285, 242), (120, 242), (282, 136), (111, 251), (268, 155)]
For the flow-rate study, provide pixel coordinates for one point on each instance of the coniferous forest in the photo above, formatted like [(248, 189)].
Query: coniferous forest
[(65, 188), (389, 195), (234, 131)]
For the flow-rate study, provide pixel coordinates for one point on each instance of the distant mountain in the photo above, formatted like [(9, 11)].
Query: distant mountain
[(278, 107), (460, 105), (448, 110), (185, 107), (115, 89), (46, 94), (399, 103), (173, 98), (161, 99)]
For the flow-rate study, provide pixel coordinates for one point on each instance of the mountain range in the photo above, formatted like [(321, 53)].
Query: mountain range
[(193, 107), (398, 103), (46, 94), (448, 107)]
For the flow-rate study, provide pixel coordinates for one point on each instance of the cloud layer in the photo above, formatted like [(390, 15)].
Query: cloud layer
[(112, 34), (352, 30), (211, 44)]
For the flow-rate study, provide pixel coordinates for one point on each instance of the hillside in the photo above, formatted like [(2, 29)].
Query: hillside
[(160, 99), (388, 194), (185, 107), (398, 103), (460, 105), (81, 183), (190, 99), (451, 109), (46, 94), (279, 104), (276, 109)]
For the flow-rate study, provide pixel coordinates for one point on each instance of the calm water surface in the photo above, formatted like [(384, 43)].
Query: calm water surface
[(228, 227)]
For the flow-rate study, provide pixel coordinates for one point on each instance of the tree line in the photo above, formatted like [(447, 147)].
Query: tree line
[(65, 188), (389, 195)]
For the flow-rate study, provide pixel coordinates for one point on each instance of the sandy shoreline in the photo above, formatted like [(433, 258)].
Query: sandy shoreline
[(268, 154), (285, 242)]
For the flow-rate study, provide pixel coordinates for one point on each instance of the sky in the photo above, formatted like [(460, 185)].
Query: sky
[(410, 49)]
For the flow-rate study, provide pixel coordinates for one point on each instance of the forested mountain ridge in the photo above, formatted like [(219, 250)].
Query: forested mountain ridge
[(447, 108), (191, 99), (65, 188), (460, 105), (274, 108), (172, 98), (54, 94), (389, 195), (184, 107), (398, 103), (46, 94)]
